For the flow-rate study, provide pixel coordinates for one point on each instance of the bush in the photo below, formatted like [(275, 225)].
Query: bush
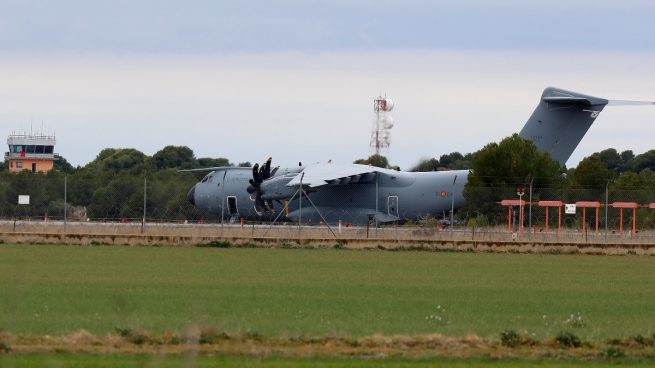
[(135, 337), (510, 338), (613, 352), (220, 244), (642, 340), (210, 335), (568, 339), (5, 347)]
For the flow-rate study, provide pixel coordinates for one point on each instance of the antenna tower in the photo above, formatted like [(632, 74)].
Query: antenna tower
[(381, 135)]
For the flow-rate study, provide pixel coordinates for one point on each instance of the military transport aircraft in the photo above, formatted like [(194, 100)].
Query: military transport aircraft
[(359, 194)]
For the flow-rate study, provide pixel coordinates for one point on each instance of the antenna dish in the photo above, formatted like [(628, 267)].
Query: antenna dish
[(387, 122), (388, 104)]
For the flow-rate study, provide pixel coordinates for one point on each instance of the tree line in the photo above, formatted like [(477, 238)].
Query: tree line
[(112, 185)]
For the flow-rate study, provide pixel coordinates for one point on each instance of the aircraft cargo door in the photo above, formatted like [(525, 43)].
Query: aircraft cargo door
[(392, 206)]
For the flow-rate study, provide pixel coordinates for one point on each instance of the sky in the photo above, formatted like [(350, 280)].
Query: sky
[(296, 79)]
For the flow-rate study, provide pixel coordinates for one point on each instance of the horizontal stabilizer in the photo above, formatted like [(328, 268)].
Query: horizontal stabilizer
[(558, 100), (629, 103)]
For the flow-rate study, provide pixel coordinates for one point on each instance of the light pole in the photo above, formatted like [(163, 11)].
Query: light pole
[(520, 192)]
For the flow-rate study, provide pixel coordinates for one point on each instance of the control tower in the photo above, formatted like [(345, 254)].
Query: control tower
[(30, 152)]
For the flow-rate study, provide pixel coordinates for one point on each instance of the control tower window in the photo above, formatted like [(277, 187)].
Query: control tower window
[(39, 149), (30, 149), (49, 149)]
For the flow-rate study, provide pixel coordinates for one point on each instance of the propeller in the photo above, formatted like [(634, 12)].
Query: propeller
[(259, 174)]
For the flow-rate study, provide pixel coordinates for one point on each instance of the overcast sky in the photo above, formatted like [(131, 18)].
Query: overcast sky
[(296, 79)]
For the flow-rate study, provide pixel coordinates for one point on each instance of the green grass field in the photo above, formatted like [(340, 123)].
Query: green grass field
[(58, 290)]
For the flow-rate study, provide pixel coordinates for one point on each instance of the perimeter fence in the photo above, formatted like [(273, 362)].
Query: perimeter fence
[(158, 204)]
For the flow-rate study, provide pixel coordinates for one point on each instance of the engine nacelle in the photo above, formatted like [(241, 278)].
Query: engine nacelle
[(276, 188)]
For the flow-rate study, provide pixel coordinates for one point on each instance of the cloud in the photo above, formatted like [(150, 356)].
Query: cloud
[(208, 26), (315, 106)]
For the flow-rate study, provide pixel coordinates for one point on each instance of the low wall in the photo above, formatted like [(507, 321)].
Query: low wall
[(305, 242)]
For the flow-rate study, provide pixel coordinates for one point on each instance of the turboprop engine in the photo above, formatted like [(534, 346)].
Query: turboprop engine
[(277, 189), (265, 187)]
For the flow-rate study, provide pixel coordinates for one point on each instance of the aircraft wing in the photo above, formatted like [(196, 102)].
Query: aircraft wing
[(203, 169), (334, 174)]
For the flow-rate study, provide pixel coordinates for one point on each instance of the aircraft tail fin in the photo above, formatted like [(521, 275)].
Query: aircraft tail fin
[(560, 121)]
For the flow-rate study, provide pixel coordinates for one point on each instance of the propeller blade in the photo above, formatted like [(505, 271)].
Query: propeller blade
[(629, 103), (255, 174), (259, 174), (266, 170), (260, 205)]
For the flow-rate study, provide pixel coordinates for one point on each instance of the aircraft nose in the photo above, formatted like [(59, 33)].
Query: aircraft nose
[(191, 196)]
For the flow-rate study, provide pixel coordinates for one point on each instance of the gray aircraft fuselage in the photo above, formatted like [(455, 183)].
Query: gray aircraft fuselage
[(397, 195)]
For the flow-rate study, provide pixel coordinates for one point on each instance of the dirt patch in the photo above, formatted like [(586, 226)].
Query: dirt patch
[(208, 341)]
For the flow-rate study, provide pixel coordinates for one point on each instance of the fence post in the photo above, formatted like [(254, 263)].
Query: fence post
[(145, 196), (223, 201), (606, 207), (65, 201), (452, 210), (377, 199), (300, 208), (530, 212)]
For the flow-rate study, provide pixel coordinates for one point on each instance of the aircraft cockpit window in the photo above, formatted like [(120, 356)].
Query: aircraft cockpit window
[(205, 178), (211, 178)]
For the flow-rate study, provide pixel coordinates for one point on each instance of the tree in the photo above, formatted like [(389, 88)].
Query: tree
[(118, 159), (611, 159), (213, 162), (427, 164), (374, 160), (591, 172), (643, 161), (245, 164), (174, 157), (62, 165), (499, 169), (627, 156)]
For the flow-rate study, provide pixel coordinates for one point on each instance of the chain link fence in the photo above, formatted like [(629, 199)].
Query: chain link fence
[(157, 204)]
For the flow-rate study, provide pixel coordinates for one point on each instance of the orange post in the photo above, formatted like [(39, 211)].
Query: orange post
[(634, 221)]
